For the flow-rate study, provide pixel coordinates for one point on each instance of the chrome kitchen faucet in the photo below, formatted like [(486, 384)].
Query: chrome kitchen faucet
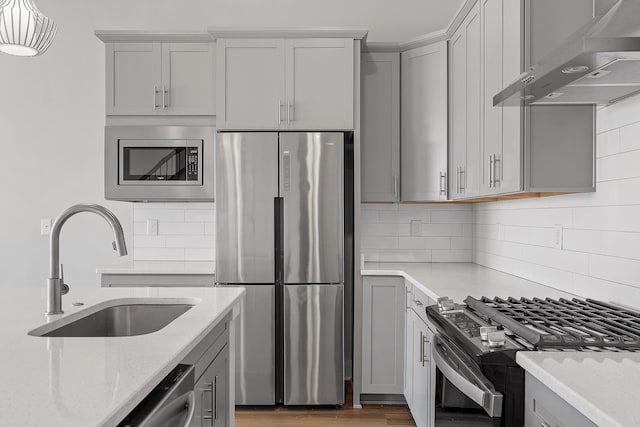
[(55, 284)]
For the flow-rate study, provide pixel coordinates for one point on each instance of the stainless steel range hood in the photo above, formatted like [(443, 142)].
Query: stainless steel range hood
[(599, 64)]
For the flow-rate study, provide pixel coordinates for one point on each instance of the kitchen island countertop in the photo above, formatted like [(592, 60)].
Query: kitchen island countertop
[(88, 382)]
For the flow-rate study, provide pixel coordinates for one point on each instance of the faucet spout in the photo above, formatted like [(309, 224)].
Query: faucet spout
[(55, 284)]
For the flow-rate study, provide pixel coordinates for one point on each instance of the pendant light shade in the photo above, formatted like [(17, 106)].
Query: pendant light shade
[(24, 30)]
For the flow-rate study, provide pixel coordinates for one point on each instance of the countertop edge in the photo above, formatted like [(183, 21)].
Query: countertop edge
[(586, 408), (400, 273), (118, 415)]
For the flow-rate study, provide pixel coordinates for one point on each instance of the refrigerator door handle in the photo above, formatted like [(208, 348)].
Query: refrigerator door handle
[(286, 171), (278, 206)]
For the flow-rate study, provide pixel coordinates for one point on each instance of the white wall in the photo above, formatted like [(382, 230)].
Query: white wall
[(445, 233), (52, 111), (600, 247)]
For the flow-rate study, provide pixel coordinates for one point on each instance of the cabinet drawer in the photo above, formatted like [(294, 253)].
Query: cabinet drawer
[(202, 355), (419, 303)]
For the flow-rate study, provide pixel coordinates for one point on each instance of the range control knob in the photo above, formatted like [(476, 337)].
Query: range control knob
[(497, 339), (445, 304), (484, 331)]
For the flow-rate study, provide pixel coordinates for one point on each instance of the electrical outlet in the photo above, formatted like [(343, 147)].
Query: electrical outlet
[(45, 226), (557, 244), (152, 227), (416, 228)]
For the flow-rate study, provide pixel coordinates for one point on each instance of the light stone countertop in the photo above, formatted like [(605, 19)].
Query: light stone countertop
[(460, 280), (602, 386), (159, 267), (88, 382)]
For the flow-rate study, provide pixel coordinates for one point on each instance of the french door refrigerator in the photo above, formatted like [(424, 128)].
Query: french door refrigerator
[(279, 234)]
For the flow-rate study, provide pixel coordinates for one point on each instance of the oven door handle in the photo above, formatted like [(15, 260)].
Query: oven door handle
[(473, 384)]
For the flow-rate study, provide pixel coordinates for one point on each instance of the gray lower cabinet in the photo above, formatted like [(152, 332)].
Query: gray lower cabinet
[(544, 408), (212, 393), (160, 280), (383, 335), (212, 371)]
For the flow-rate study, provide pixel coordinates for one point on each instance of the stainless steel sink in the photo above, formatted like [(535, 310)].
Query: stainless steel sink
[(121, 321)]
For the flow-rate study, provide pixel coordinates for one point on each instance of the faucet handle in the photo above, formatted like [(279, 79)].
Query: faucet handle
[(64, 286)]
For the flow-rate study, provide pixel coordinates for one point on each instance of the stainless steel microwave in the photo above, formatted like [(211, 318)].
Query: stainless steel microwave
[(159, 163)]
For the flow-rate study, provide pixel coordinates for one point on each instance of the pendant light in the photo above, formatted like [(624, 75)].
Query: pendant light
[(24, 30)]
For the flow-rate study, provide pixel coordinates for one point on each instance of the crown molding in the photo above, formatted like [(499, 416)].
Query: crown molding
[(109, 36), (322, 32)]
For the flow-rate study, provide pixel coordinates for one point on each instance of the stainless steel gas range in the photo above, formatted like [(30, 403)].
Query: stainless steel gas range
[(479, 383)]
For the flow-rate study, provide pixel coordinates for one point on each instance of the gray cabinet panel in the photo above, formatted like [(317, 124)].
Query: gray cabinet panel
[(380, 120), (424, 124), (543, 407), (212, 391), (383, 319)]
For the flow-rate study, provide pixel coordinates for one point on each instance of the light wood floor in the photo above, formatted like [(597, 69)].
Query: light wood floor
[(368, 416)]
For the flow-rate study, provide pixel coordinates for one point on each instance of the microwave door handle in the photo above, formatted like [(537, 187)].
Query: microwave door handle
[(461, 376)]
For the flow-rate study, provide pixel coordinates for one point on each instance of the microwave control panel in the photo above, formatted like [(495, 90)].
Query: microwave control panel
[(192, 163)]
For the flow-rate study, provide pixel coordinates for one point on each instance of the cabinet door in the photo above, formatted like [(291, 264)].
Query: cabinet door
[(133, 78), (408, 345), (250, 89), (188, 79), (510, 167), (380, 121), (471, 171), (212, 393), (423, 163), (319, 79), (458, 123), (421, 374), (383, 335)]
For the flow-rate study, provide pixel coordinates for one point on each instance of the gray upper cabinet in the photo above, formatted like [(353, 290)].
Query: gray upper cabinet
[(424, 124), (501, 65), (250, 84), (465, 107), (155, 78), (285, 84), (380, 124), (512, 149)]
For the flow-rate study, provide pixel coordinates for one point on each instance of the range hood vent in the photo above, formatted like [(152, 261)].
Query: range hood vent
[(599, 64)]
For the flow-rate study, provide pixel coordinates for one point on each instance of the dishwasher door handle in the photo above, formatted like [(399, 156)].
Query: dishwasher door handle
[(183, 404)]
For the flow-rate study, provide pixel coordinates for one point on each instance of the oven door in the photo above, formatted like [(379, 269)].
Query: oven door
[(160, 162), (463, 395)]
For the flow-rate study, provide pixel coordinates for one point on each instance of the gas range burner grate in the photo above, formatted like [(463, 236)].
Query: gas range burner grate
[(563, 323)]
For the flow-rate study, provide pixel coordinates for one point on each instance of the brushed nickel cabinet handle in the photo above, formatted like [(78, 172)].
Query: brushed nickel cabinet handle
[(155, 98), (289, 115), (491, 170), (164, 98)]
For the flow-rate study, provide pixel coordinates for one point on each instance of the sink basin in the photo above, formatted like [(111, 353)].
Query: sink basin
[(120, 321)]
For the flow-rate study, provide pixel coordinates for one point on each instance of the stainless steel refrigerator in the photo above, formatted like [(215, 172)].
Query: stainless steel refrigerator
[(279, 234)]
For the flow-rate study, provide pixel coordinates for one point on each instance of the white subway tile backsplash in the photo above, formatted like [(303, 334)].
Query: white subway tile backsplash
[(386, 233), (210, 228), (186, 231), (379, 242), (190, 241), (199, 254), (199, 215), (161, 214), (181, 228), (158, 254), (424, 242), (403, 216), (600, 252), (451, 217), (386, 230)]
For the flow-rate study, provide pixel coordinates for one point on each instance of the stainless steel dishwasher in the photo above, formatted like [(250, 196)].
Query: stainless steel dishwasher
[(170, 404)]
